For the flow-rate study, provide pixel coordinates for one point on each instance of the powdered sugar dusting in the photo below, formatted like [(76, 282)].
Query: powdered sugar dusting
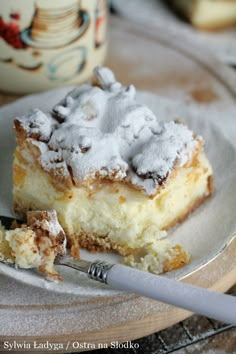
[(104, 131), (48, 223), (173, 142), (37, 123)]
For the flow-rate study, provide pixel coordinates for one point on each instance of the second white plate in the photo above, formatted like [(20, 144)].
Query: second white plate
[(155, 14)]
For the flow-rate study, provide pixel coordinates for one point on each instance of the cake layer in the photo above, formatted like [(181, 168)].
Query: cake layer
[(111, 216), (208, 14)]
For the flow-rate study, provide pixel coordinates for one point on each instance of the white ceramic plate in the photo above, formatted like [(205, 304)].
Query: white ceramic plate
[(154, 13), (204, 233)]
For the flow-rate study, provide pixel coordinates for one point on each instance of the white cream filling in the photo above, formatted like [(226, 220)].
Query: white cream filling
[(127, 216)]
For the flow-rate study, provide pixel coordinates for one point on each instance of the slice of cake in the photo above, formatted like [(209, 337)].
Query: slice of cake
[(207, 14), (35, 244), (116, 175)]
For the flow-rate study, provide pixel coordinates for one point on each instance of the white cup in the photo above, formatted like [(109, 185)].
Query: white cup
[(46, 44)]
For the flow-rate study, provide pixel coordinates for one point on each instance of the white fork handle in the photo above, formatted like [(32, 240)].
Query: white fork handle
[(195, 299)]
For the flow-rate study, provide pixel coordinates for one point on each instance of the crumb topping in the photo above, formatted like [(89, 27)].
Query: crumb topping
[(104, 132)]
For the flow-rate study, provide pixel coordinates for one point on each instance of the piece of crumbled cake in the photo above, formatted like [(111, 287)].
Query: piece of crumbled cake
[(116, 175), (35, 244), (5, 250), (158, 257)]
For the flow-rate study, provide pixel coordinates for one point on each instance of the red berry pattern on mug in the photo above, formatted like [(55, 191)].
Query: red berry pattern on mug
[(10, 32), (15, 16)]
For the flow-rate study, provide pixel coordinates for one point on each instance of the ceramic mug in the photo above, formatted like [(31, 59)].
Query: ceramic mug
[(46, 44)]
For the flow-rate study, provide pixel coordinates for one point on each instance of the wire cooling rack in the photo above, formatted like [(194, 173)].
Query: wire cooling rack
[(213, 328)]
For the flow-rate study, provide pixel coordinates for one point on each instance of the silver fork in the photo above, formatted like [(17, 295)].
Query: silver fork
[(193, 298)]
